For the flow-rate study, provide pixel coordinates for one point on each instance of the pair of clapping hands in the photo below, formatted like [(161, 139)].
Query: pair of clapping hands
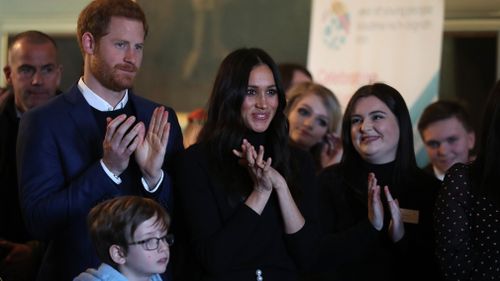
[(376, 209), (264, 176), (123, 138)]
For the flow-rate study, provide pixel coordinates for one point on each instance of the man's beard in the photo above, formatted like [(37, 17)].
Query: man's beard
[(110, 77)]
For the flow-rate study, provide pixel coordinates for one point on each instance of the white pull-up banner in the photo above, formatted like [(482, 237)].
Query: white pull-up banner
[(398, 42)]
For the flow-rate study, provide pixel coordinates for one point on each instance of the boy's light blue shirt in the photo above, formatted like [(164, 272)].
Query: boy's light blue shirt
[(106, 272)]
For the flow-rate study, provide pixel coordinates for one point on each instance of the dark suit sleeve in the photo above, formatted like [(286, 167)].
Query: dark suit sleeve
[(51, 197)]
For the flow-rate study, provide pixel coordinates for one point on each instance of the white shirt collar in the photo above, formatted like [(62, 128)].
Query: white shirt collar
[(438, 174), (96, 101), (19, 114)]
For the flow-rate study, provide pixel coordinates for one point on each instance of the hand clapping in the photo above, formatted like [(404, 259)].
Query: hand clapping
[(122, 140), (151, 150), (258, 168), (376, 210)]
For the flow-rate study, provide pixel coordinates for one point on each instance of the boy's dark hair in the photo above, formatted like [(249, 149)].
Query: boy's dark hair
[(95, 17), (113, 222), (441, 110)]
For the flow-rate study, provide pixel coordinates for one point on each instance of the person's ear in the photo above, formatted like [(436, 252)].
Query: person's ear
[(471, 140), (88, 43), (8, 71), (117, 254), (59, 74)]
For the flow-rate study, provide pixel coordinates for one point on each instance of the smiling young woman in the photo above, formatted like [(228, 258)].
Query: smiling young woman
[(246, 199), (314, 115), (378, 151)]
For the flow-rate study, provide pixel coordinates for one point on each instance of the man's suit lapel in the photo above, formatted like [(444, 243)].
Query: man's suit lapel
[(81, 113)]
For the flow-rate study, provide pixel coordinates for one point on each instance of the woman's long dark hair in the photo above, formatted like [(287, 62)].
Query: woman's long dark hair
[(486, 167), (224, 129), (405, 163)]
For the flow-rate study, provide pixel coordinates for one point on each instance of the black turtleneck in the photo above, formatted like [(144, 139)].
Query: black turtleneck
[(258, 139), (385, 174)]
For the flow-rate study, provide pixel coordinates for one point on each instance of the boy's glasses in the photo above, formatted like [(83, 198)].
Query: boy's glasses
[(153, 243)]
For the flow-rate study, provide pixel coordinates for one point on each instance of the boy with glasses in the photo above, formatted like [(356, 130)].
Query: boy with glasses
[(129, 234)]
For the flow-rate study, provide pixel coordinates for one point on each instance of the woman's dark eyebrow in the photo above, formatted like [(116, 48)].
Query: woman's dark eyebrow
[(377, 111)]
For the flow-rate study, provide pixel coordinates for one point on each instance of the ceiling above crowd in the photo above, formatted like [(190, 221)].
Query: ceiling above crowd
[(472, 9)]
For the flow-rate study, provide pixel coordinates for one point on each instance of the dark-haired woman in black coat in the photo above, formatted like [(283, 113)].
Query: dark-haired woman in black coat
[(245, 200), (378, 141)]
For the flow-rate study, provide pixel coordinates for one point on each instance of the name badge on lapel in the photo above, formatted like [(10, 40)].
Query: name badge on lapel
[(409, 216)]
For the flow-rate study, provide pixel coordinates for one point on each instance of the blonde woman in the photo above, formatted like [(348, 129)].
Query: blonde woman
[(314, 115)]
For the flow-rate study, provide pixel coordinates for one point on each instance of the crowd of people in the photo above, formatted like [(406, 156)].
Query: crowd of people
[(275, 182)]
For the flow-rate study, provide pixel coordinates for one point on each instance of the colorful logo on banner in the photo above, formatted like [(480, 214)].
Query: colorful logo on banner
[(336, 25)]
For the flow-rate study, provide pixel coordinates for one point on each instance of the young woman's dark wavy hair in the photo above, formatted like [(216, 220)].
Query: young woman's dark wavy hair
[(486, 167), (405, 163), (224, 128)]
